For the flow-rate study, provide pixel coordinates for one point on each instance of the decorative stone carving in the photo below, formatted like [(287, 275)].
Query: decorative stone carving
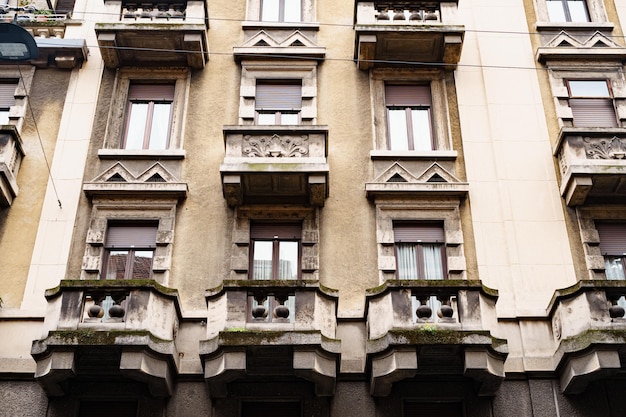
[(614, 148), (275, 146)]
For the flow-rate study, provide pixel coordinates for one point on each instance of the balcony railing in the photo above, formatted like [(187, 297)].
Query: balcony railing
[(282, 164), (127, 322), (11, 155), (390, 33), (444, 315), (154, 33), (592, 164)]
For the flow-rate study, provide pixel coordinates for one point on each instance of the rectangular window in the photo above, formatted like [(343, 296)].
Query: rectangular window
[(613, 248), (278, 103), (281, 10), (129, 249), (149, 115), (7, 99), (420, 250), (567, 11), (275, 250), (409, 123), (591, 103)]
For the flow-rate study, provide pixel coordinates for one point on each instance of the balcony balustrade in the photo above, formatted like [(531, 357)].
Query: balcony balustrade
[(11, 154), (394, 33), (269, 328), (162, 33), (129, 323), (278, 164), (417, 326), (593, 165)]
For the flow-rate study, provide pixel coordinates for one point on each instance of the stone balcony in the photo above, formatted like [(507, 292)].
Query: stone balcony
[(163, 33), (275, 164), (11, 155), (270, 330), (113, 329), (392, 33), (589, 327), (417, 328), (592, 162)]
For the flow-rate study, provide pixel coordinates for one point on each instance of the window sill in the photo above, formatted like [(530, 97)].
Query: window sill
[(258, 24), (574, 26), (439, 155), (141, 154)]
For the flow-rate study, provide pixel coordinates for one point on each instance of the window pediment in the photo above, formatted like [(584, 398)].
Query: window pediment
[(294, 44), (562, 46)]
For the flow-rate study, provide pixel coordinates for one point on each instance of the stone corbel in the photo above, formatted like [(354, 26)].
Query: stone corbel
[(393, 367)]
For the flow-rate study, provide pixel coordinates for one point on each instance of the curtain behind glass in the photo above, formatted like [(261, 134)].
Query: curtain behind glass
[(433, 265), (407, 261)]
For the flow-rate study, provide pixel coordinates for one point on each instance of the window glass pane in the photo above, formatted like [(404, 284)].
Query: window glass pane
[(270, 10), (589, 88), (398, 130), (289, 118), (262, 261), (407, 261), (578, 10), (292, 11), (116, 267), (142, 264), (4, 117), (159, 131), (433, 265), (422, 139), (136, 126), (556, 13), (288, 260), (614, 268), (266, 118)]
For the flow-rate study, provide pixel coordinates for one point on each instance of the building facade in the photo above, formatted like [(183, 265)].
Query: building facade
[(314, 208)]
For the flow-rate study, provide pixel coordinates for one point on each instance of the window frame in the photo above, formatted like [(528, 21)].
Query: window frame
[(419, 247), (151, 101), (612, 245), (567, 12), (282, 7), (582, 105), (130, 248), (254, 16), (7, 98), (408, 113), (259, 236), (278, 109), (595, 11)]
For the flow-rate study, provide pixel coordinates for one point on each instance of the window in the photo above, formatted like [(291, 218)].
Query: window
[(278, 103), (439, 409), (409, 117), (271, 408), (129, 250), (7, 99), (420, 250), (613, 248), (591, 103), (149, 115), (275, 250), (567, 10), (108, 408), (281, 10)]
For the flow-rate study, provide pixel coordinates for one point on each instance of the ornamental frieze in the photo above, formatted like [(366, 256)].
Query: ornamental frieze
[(275, 146), (614, 148)]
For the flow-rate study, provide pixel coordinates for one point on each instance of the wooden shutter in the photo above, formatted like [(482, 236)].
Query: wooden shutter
[(593, 112), (64, 6), (152, 92), (432, 409), (407, 95), (264, 230), (278, 96), (131, 235), (418, 232), (271, 408), (7, 94), (612, 238)]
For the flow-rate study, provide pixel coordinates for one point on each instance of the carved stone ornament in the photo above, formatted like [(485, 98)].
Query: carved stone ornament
[(275, 146), (614, 148)]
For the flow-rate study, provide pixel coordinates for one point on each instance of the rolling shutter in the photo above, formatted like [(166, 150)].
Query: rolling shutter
[(132, 235), (275, 96), (64, 6), (418, 232), (407, 95), (7, 94), (612, 238), (152, 92), (593, 112), (276, 231)]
